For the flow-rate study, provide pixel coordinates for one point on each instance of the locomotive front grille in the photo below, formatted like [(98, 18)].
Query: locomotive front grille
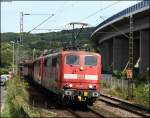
[(81, 93)]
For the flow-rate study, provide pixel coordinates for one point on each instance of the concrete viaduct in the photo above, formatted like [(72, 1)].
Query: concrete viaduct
[(112, 37)]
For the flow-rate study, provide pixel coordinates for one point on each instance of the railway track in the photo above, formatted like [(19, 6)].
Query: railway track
[(41, 100), (91, 112), (125, 105), (88, 113)]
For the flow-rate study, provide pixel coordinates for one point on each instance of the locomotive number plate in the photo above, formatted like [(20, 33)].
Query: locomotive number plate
[(81, 76), (85, 93)]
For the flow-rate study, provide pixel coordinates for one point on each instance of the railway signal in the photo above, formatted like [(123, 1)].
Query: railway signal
[(129, 74)]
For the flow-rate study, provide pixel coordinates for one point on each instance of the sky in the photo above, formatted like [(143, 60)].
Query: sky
[(64, 13)]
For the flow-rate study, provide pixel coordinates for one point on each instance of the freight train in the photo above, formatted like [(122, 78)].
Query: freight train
[(73, 76)]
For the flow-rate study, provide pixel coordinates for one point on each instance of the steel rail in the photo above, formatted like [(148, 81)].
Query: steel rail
[(79, 114), (103, 113), (125, 105)]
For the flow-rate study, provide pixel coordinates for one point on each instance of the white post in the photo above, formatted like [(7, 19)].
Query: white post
[(122, 82), (13, 43), (13, 57)]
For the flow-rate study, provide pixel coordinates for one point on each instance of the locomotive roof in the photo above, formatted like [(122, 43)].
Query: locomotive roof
[(80, 52), (68, 52), (51, 54)]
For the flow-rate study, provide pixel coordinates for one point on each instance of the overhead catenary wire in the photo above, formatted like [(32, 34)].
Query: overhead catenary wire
[(35, 14), (45, 19), (41, 23), (60, 10), (106, 7), (102, 9)]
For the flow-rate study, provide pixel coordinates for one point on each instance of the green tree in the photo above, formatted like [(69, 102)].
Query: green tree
[(6, 55)]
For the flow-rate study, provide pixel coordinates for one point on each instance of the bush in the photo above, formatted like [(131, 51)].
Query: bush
[(108, 70), (17, 96), (141, 79), (117, 74), (4, 71), (142, 94)]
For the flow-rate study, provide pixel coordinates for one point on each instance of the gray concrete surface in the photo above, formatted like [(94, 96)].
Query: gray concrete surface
[(114, 35)]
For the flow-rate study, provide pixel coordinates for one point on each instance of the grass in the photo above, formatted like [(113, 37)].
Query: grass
[(116, 91), (6, 112), (17, 101), (141, 93)]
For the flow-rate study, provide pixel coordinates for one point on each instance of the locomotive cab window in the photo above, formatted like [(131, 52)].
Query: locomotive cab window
[(72, 59), (54, 62), (90, 60), (49, 62)]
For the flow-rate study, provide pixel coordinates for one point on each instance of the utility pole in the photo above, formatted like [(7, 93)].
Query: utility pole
[(19, 41), (130, 68), (33, 55), (21, 27), (17, 56), (13, 44)]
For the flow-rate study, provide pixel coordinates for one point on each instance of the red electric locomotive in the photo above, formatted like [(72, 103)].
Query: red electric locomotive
[(73, 75)]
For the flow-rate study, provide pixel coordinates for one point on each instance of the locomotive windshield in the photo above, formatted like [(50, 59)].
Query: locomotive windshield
[(90, 60), (72, 59)]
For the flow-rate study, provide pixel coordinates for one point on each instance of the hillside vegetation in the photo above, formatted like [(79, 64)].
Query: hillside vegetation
[(38, 42)]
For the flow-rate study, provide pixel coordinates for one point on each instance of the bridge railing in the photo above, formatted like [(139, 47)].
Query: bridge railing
[(125, 12)]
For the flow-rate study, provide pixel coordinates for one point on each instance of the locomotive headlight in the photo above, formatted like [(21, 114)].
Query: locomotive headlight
[(95, 94), (68, 92), (90, 86), (70, 85), (81, 68)]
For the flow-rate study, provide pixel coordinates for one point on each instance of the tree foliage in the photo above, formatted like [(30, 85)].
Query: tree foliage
[(40, 42), (17, 98), (6, 54)]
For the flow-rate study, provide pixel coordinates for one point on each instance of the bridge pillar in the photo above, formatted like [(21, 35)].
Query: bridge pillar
[(144, 51), (120, 53), (107, 54)]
